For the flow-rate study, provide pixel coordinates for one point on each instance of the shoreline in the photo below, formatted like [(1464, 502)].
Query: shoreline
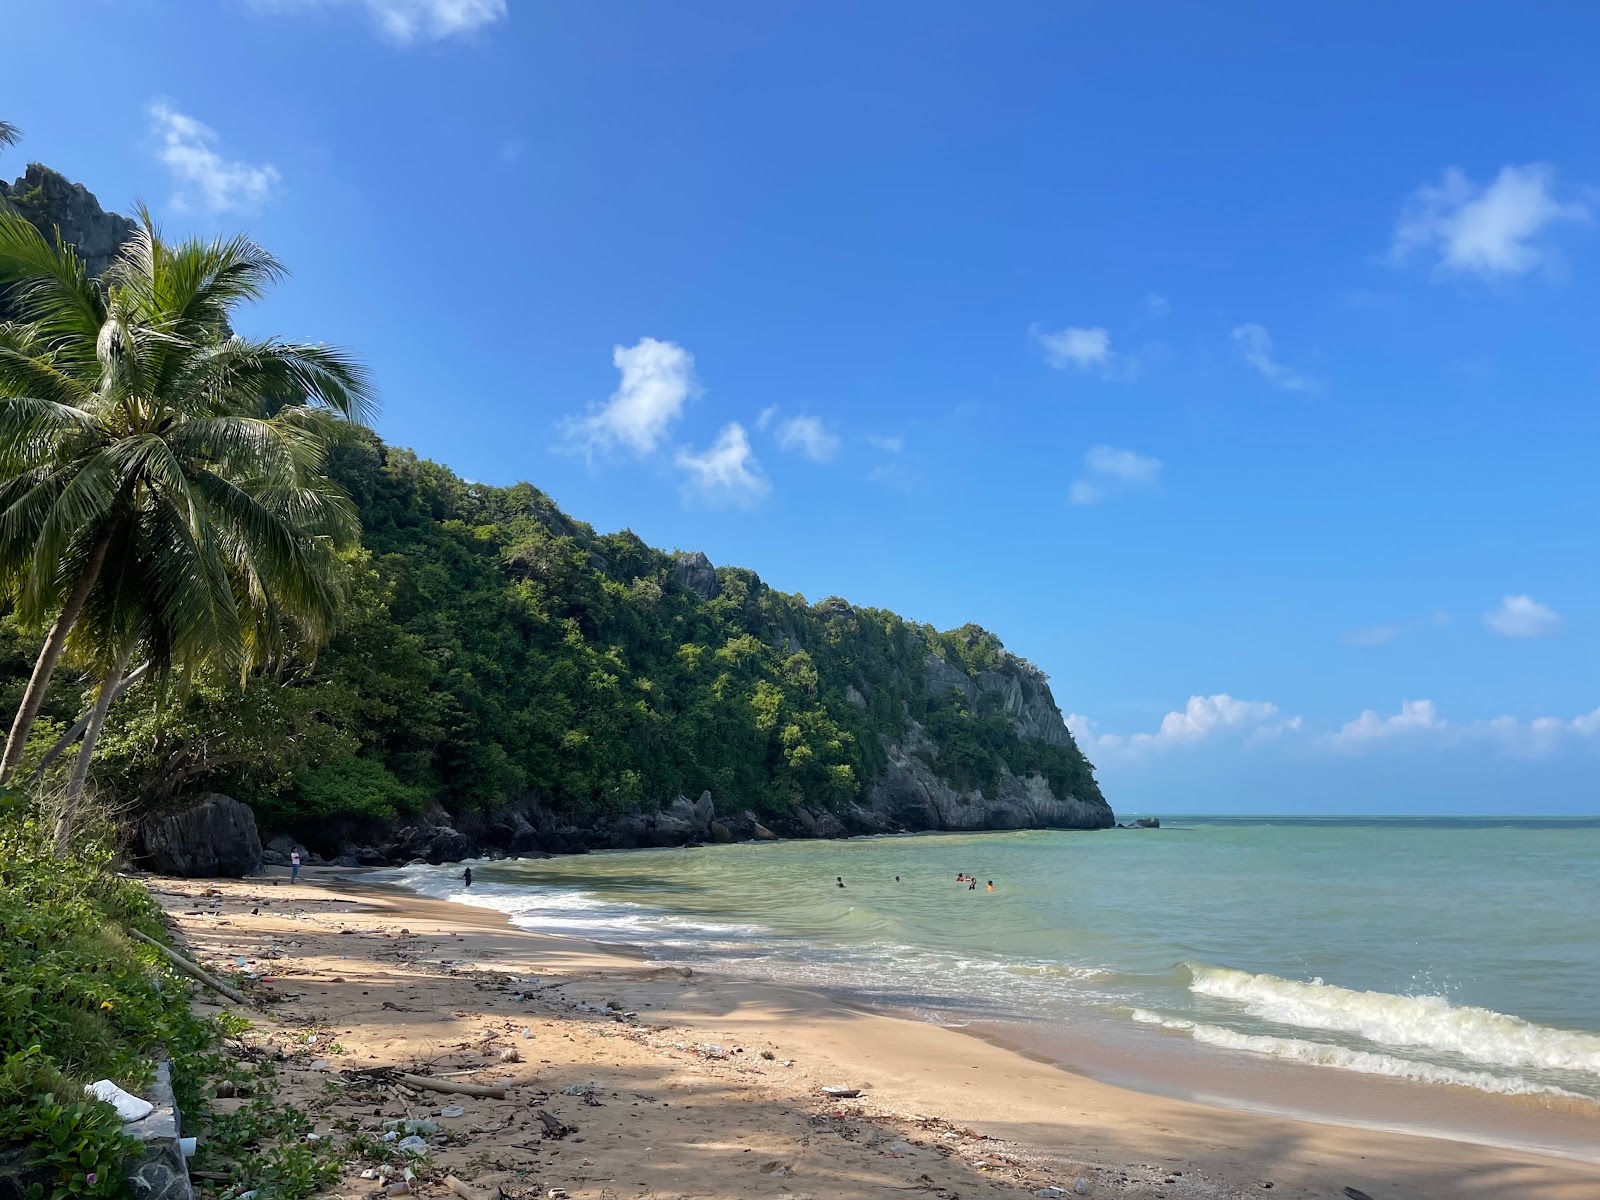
[(1054, 1124)]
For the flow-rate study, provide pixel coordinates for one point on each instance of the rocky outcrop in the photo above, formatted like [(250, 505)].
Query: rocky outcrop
[(694, 571), (50, 201), (216, 838), (911, 794), (1015, 688)]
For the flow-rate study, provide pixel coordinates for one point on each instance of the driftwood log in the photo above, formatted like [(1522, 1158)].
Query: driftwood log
[(191, 968)]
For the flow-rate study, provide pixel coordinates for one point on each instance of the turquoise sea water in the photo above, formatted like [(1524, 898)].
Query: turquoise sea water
[(1461, 952)]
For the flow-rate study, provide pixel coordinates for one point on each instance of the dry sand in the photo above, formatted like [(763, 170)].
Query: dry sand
[(713, 1089)]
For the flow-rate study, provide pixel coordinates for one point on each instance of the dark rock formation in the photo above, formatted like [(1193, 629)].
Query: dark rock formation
[(1147, 823), (216, 837), (695, 572), (49, 201)]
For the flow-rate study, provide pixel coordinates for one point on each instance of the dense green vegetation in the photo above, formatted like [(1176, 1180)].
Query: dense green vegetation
[(494, 645)]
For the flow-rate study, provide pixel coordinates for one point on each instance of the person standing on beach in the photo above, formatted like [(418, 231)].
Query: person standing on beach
[(294, 866)]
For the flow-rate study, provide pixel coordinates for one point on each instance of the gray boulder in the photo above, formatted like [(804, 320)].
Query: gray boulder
[(695, 572), (215, 838)]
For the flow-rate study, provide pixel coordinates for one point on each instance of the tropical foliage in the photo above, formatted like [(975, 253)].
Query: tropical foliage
[(493, 645), (162, 483)]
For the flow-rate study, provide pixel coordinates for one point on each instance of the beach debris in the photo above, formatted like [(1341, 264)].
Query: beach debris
[(400, 1188), (129, 1107), (841, 1093), (369, 1173), (1051, 1192), (404, 1125), (553, 1128), (468, 1192), (556, 1194), (452, 1110), (510, 1055), (713, 1050), (412, 1145), (1356, 1194), (1080, 1185), (777, 1170), (768, 1055), (580, 1089)]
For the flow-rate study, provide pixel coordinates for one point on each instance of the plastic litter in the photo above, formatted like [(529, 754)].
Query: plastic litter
[(452, 1110), (1051, 1192), (413, 1145), (129, 1107), (411, 1126), (186, 1147), (1080, 1185)]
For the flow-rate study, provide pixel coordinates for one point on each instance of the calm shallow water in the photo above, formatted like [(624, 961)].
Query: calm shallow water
[(1464, 952)]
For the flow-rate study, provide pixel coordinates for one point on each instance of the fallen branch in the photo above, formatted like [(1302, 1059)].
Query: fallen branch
[(552, 1126), (445, 1085), (191, 969), (468, 1192)]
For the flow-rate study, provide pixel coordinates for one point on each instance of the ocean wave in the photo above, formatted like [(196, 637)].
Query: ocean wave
[(1479, 1035), (1343, 1058)]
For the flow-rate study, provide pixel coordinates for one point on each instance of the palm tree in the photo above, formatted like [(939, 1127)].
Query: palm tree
[(10, 135), (162, 479)]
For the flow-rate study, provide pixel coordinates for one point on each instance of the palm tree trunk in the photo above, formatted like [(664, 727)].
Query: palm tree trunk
[(54, 643), (68, 815), (64, 742)]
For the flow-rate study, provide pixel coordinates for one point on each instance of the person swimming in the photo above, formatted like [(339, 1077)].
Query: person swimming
[(839, 879), (973, 885), (991, 885), (466, 877)]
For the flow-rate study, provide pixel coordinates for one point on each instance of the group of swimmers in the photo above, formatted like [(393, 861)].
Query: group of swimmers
[(970, 880)]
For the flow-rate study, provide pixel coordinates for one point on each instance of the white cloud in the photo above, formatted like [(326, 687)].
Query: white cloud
[(657, 381), (728, 473), (808, 436), (1419, 722), (764, 418), (406, 22), (207, 181), (1492, 230), (1415, 716), (1111, 472), (1523, 617), (1074, 347), (889, 445), (1202, 719), (1254, 344)]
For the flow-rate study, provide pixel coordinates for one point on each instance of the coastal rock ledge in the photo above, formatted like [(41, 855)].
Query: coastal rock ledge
[(910, 795)]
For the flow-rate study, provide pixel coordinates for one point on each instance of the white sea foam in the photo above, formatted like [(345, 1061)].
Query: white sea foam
[(1479, 1035), (1344, 1058)]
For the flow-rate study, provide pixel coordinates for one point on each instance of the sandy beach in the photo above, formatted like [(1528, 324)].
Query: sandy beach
[(680, 1083)]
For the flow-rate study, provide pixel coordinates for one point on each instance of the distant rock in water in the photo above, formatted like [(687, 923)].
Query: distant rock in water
[(216, 838), (49, 201), (1147, 823)]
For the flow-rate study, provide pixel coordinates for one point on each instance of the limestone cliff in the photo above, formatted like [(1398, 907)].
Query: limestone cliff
[(50, 202)]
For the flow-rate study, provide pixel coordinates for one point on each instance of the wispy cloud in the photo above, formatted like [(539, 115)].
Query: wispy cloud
[(1523, 617), (1074, 347), (1492, 230), (1111, 472), (206, 180), (1382, 635), (889, 445), (808, 436), (728, 472), (657, 381), (1420, 724), (1202, 719), (1254, 345), (406, 22)]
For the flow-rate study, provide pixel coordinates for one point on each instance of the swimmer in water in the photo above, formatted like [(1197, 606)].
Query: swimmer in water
[(991, 885), (839, 879)]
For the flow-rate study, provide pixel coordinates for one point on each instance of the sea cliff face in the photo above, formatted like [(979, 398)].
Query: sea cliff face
[(51, 202)]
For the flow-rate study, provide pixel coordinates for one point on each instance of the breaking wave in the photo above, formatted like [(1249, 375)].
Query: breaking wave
[(1479, 1035), (1344, 1058)]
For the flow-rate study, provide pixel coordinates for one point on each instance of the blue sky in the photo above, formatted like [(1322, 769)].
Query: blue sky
[(1235, 363)]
